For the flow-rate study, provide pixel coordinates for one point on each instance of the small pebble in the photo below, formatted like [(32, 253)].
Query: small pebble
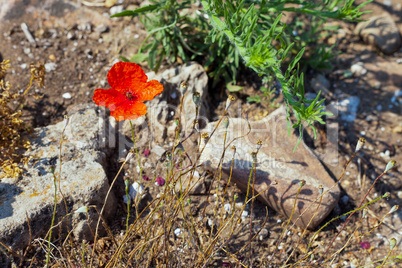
[(23, 66), (51, 66), (227, 207), (115, 10), (178, 232), (67, 96), (244, 214), (358, 69), (382, 128)]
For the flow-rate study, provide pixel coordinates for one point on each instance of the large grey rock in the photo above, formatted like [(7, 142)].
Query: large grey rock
[(83, 182), (276, 163), (157, 126), (380, 31)]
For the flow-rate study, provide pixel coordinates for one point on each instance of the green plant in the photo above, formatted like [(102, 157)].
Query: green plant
[(268, 96), (248, 32)]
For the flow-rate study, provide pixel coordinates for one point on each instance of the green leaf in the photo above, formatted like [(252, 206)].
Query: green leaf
[(233, 88), (256, 99), (139, 58), (136, 11), (124, 58)]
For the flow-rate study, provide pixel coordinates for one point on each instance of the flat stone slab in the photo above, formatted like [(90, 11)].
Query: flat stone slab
[(279, 170), (83, 182)]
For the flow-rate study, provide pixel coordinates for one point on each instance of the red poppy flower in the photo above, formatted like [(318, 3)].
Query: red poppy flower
[(129, 89)]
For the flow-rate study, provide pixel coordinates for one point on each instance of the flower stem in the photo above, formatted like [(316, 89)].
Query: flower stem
[(128, 209), (347, 220), (54, 216), (135, 147)]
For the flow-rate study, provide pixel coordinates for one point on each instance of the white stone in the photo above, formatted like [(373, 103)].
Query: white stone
[(116, 9), (358, 69), (66, 95), (49, 67)]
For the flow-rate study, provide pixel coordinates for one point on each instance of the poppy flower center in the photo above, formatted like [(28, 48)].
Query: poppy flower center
[(130, 96)]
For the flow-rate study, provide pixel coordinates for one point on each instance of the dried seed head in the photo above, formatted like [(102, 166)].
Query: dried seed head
[(129, 155), (254, 156), (196, 98), (386, 195), (195, 125), (229, 101), (302, 183), (365, 211), (205, 136), (320, 189), (360, 144), (393, 209), (391, 164), (169, 156), (392, 243), (66, 120), (275, 182), (183, 87), (233, 148), (225, 122), (259, 145)]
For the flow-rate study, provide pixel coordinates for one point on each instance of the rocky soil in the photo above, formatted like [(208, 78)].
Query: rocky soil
[(79, 44)]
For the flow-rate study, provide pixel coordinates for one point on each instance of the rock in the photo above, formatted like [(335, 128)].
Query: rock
[(116, 9), (195, 185), (279, 171), (358, 69), (397, 96), (67, 96), (51, 66), (134, 190), (346, 107), (380, 31), (320, 83), (163, 109), (102, 28), (83, 182), (397, 129)]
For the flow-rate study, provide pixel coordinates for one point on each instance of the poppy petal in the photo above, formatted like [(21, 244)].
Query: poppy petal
[(108, 98), (129, 110), (148, 90), (123, 75)]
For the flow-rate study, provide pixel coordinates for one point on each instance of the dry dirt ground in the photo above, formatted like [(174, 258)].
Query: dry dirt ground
[(79, 45)]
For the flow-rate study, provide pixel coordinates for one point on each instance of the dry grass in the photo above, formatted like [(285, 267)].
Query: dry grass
[(171, 230)]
